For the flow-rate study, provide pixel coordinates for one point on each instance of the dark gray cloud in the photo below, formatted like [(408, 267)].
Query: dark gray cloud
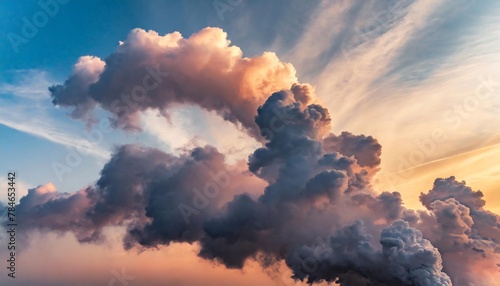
[(406, 258), (365, 149)]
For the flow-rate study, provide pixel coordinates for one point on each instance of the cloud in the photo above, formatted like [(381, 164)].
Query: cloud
[(365, 149), (57, 134), (191, 126), (405, 258), (135, 186), (29, 84), (196, 197), (85, 72), (305, 197), (150, 71), (466, 234)]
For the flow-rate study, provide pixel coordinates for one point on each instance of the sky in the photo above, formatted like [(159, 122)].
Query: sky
[(416, 81)]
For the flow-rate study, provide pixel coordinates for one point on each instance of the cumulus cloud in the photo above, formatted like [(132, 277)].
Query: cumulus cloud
[(365, 149), (47, 209), (405, 258), (466, 234), (151, 71), (74, 92), (304, 197)]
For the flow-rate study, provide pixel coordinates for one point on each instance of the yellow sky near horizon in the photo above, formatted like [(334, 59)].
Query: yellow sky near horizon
[(477, 168)]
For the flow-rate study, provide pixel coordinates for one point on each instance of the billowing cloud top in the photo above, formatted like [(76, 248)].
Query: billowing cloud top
[(305, 196), (149, 71)]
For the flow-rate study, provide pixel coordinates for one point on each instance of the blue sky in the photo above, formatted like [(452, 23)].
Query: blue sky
[(95, 27)]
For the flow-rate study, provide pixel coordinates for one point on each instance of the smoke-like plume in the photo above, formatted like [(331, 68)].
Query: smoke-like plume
[(305, 197)]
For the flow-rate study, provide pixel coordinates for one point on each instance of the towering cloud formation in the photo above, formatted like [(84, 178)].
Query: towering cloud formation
[(304, 197)]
